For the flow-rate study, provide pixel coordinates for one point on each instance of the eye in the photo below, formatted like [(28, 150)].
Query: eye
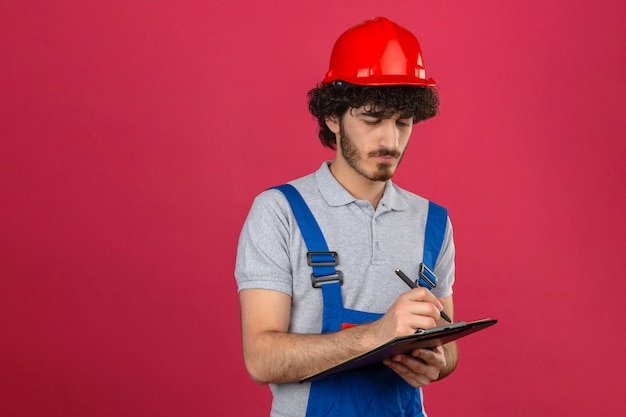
[(371, 120), (404, 122)]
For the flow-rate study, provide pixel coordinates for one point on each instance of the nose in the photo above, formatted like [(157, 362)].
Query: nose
[(390, 134)]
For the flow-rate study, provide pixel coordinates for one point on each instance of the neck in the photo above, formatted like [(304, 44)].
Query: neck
[(357, 185)]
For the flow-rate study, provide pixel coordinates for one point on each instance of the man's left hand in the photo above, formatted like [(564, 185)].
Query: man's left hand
[(421, 367)]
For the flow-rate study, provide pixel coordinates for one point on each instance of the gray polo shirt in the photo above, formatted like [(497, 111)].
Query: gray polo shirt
[(370, 245)]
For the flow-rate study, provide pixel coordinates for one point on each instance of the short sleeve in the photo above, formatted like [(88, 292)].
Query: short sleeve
[(444, 268), (263, 259)]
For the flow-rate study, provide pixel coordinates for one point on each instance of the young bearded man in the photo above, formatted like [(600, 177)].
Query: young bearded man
[(297, 320)]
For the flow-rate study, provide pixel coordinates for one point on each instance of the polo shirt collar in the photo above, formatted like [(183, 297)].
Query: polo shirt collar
[(336, 195)]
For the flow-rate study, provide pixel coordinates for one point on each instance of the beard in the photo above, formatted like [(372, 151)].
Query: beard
[(350, 152)]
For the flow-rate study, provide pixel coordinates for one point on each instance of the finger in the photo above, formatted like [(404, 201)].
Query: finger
[(421, 294), (412, 370), (424, 310), (411, 378), (424, 295), (431, 357)]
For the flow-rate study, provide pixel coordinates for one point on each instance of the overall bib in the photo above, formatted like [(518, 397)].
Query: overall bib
[(372, 391)]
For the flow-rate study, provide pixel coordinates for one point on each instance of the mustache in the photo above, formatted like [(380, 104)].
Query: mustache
[(385, 152)]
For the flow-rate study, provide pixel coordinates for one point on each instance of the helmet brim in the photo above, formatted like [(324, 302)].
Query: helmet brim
[(382, 80)]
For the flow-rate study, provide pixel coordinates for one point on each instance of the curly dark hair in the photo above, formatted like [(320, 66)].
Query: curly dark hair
[(420, 103)]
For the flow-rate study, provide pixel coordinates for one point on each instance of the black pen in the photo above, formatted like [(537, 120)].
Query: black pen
[(412, 284)]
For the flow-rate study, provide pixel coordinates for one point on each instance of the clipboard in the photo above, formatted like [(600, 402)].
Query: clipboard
[(424, 339)]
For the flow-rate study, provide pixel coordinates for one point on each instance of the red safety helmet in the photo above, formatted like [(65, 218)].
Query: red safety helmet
[(378, 52)]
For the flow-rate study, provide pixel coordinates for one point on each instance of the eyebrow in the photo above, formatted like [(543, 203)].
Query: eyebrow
[(384, 114), (373, 113)]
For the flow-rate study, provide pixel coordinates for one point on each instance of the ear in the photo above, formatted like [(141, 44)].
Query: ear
[(333, 123)]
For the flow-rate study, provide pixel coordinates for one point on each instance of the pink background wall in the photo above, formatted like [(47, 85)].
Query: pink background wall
[(134, 135)]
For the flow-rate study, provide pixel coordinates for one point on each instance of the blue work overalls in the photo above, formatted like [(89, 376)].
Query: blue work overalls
[(372, 391)]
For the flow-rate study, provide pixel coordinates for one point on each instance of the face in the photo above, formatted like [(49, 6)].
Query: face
[(372, 145)]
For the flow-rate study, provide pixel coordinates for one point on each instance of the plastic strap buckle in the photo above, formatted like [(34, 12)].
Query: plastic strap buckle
[(317, 282), (321, 258), (427, 278)]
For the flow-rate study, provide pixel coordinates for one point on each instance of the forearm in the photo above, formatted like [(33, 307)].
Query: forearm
[(451, 352), (278, 357), (273, 355)]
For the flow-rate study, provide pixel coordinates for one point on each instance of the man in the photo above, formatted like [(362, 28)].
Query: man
[(297, 321)]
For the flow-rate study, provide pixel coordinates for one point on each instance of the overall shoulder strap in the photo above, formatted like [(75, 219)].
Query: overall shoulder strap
[(436, 224), (319, 257)]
